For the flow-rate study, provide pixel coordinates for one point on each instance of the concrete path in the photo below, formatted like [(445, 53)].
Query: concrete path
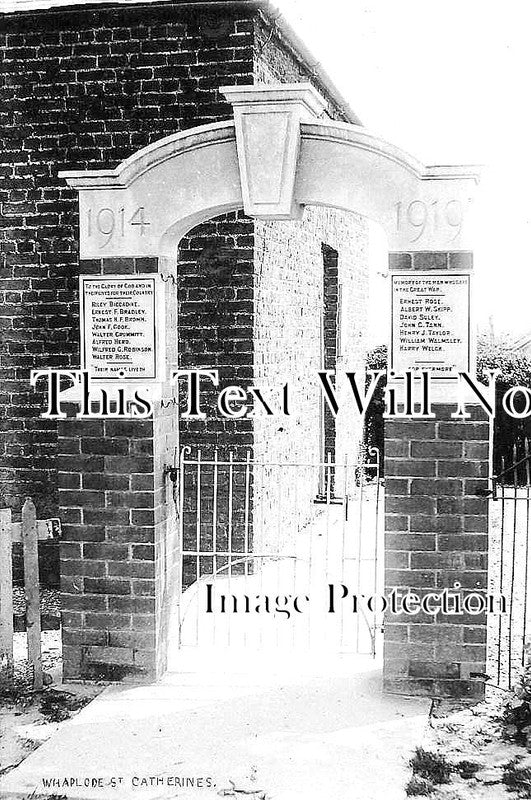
[(197, 736)]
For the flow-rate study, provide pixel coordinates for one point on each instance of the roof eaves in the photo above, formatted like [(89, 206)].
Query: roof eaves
[(316, 69)]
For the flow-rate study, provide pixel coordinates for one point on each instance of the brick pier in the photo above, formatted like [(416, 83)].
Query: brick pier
[(436, 522)]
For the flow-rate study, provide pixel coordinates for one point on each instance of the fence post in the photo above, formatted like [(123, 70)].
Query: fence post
[(31, 588), (6, 600)]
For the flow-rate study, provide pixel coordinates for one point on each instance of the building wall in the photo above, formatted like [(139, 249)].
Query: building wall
[(215, 291), (436, 534), (216, 309), (290, 304), (82, 89), (250, 305), (276, 61)]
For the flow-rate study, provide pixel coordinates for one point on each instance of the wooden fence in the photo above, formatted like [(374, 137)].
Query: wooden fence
[(28, 531)]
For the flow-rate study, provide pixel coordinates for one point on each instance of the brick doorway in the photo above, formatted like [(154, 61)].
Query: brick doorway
[(118, 621)]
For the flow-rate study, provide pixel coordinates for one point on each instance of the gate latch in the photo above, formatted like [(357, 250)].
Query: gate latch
[(171, 472)]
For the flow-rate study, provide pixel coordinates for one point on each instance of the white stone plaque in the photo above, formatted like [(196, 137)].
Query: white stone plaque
[(120, 329), (430, 323)]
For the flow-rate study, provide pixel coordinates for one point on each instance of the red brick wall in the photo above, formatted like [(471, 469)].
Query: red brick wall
[(291, 297), (289, 310), (117, 543), (330, 326), (436, 521), (216, 322), (82, 89), (275, 60)]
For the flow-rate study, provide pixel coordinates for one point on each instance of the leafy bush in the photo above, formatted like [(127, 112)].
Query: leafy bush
[(498, 353), (493, 353), (517, 712), (467, 769), (431, 766), (377, 357), (58, 706), (517, 778), (515, 370), (419, 787), (374, 423)]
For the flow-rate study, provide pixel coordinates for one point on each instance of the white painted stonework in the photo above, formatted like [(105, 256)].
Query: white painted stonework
[(271, 160), (268, 138)]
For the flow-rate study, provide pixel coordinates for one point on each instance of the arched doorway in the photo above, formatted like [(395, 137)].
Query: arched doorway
[(273, 501), (277, 156)]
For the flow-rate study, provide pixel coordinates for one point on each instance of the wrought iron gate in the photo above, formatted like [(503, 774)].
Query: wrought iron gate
[(261, 549), (509, 575)]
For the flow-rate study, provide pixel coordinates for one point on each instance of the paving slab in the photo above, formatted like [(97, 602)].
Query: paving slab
[(291, 735)]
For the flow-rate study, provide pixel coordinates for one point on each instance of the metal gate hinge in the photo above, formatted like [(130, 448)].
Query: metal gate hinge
[(171, 472)]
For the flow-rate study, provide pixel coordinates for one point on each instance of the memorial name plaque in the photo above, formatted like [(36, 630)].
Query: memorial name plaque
[(119, 327), (430, 323)]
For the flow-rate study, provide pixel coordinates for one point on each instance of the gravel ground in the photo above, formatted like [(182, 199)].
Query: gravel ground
[(51, 658), (471, 734), (476, 734), (473, 742), (28, 718)]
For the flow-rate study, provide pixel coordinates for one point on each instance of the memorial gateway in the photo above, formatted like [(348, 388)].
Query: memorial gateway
[(187, 192)]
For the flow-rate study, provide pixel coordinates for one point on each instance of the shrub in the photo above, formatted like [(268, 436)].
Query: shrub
[(431, 766), (493, 353), (467, 769), (517, 712), (517, 778), (419, 787)]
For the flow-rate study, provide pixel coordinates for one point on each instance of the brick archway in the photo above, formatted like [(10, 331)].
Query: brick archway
[(277, 155)]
